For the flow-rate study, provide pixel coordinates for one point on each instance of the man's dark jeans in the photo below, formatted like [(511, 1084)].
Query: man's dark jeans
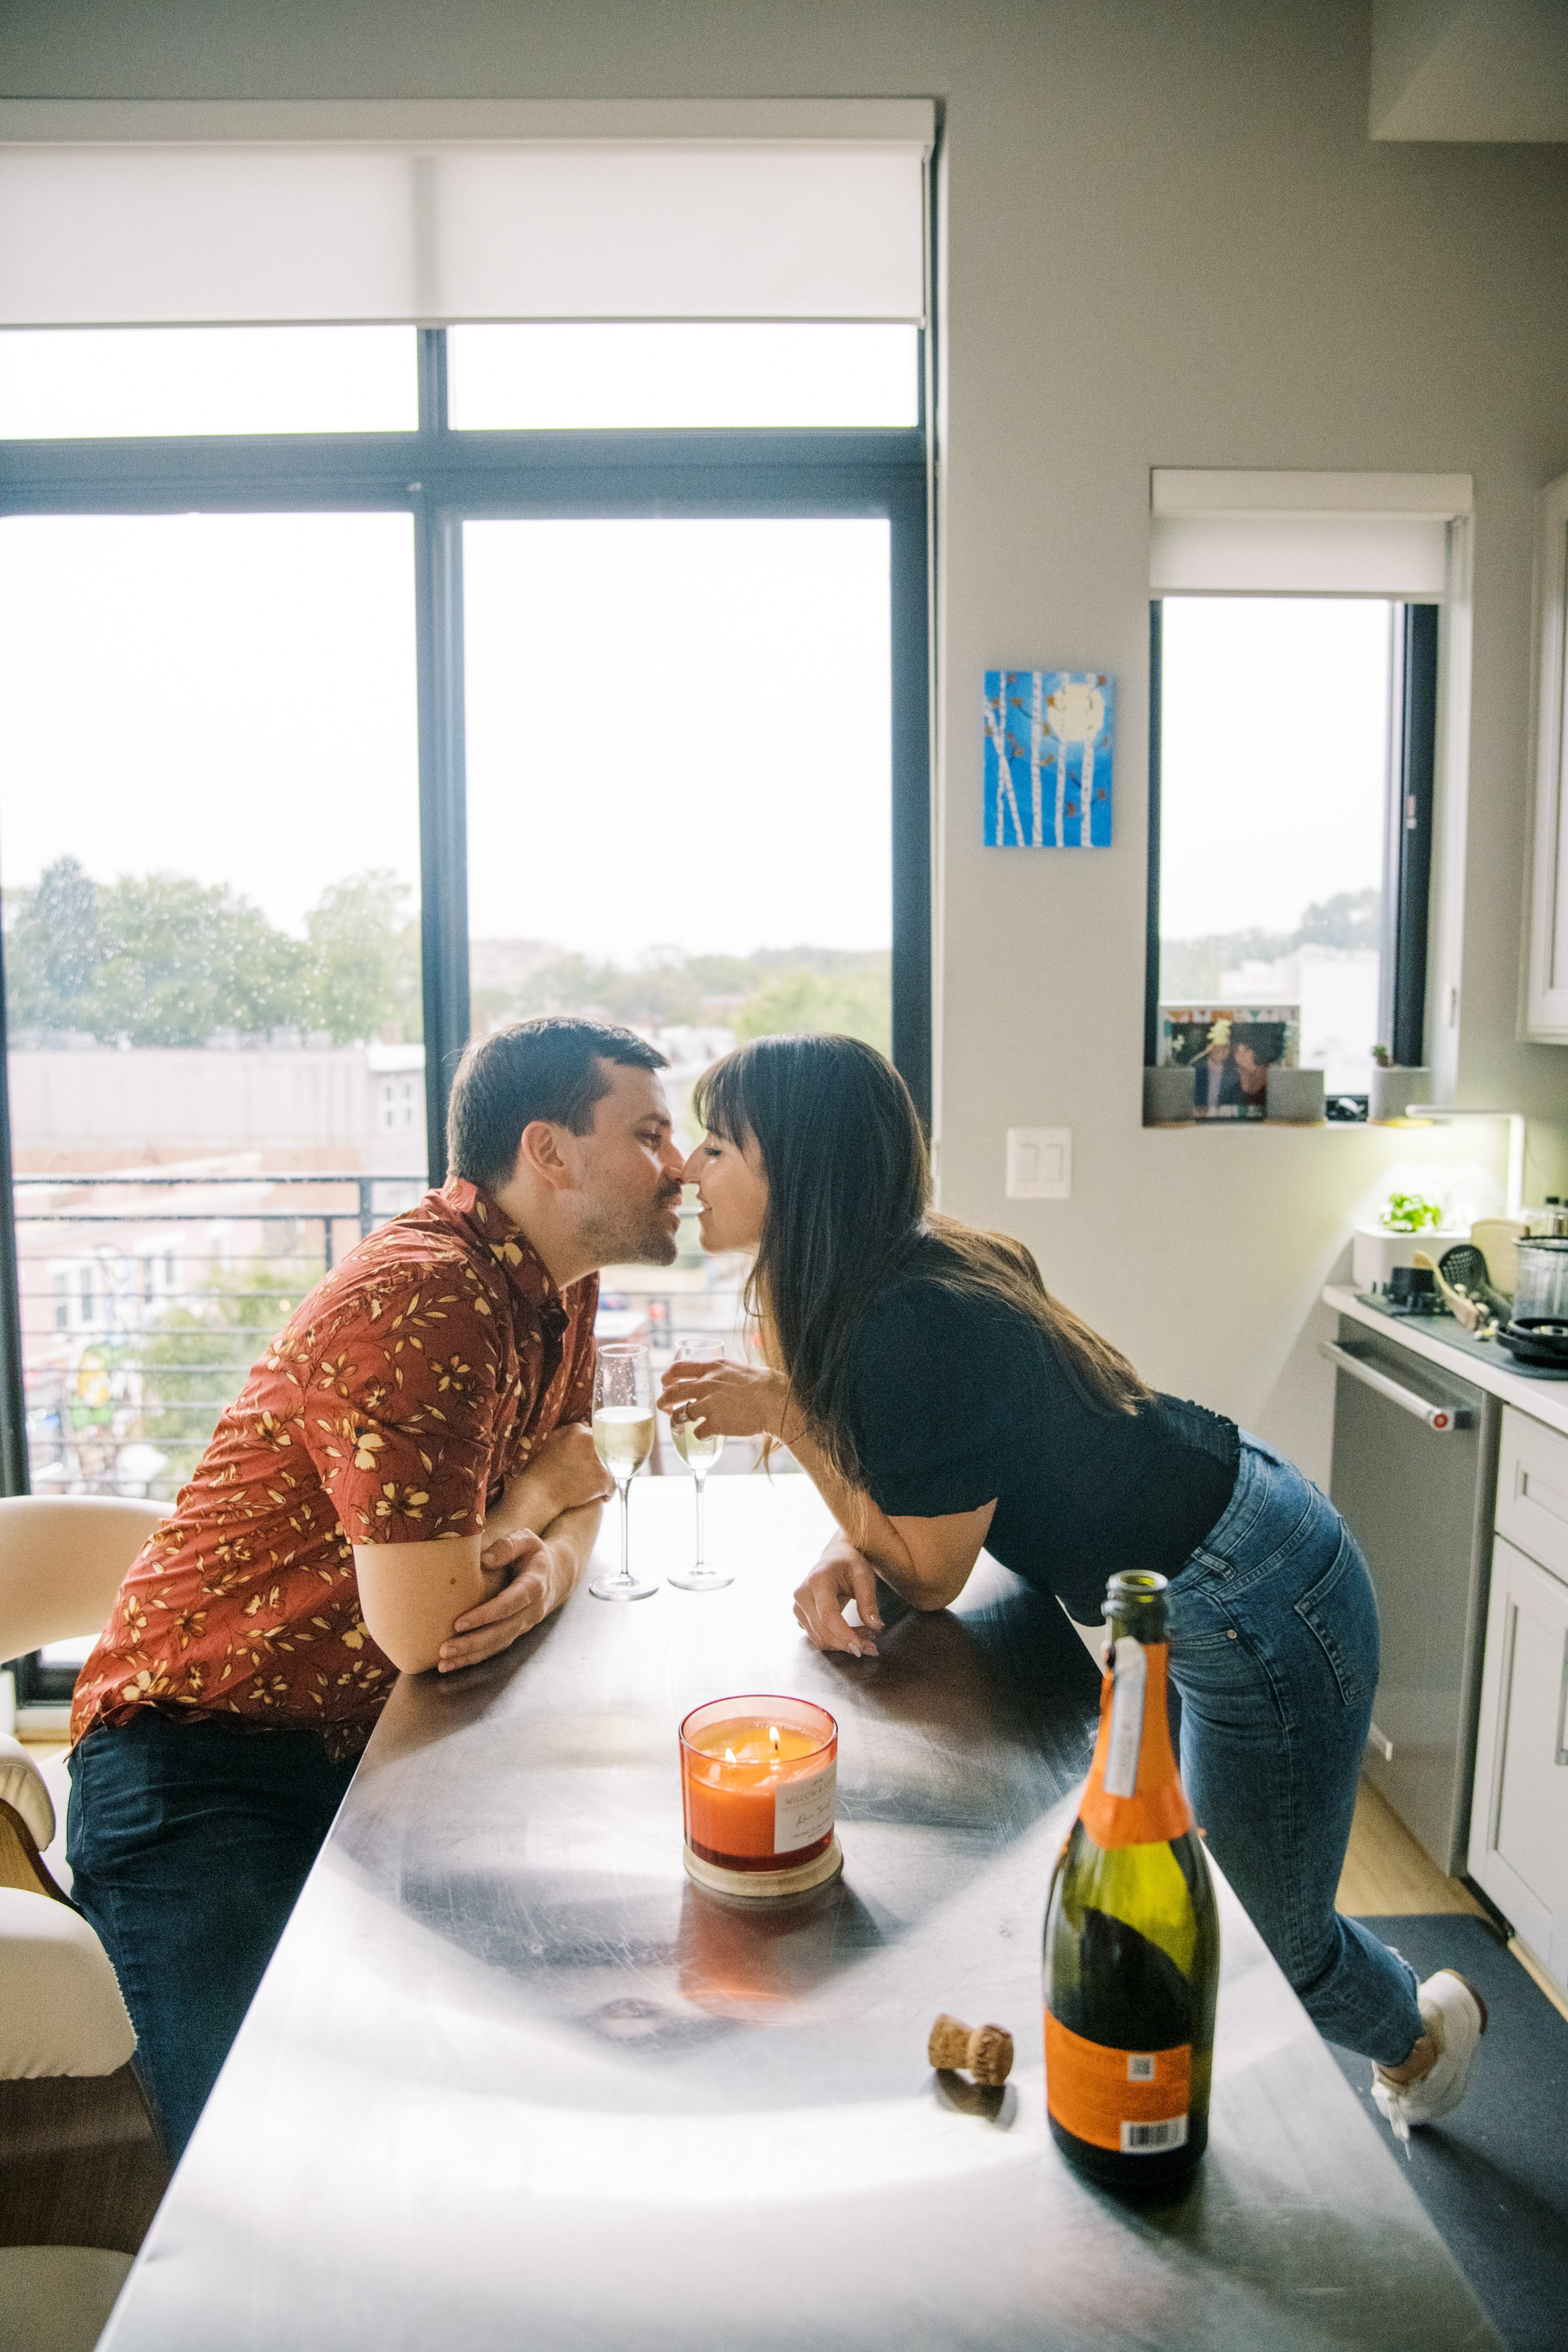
[(189, 1844)]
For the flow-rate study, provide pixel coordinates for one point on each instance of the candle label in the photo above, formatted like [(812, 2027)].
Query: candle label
[(802, 1809)]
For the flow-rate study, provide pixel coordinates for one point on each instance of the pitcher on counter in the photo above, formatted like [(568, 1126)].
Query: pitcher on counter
[(941, 1401)]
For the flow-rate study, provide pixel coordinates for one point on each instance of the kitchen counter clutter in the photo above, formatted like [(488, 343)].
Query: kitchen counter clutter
[(512, 2077), (1437, 1338), (1450, 1465)]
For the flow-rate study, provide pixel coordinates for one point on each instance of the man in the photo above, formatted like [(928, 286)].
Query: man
[(406, 1481)]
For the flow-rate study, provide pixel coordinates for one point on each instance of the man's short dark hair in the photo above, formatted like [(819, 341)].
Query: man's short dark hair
[(547, 1068)]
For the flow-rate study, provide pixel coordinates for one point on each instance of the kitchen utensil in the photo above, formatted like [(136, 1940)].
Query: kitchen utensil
[(1496, 1238), (1412, 1289), (1539, 1341), (1466, 1267), (1465, 1311), (1541, 1293)]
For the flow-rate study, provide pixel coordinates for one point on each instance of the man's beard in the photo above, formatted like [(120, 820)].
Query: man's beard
[(609, 1232)]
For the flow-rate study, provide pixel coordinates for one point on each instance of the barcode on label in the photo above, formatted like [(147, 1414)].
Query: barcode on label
[(1148, 2139), (1140, 2070)]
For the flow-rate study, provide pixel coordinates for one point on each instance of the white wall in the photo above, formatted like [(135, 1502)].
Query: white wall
[(1169, 242)]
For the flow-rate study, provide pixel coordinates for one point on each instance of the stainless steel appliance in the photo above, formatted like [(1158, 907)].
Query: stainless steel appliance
[(1414, 1465)]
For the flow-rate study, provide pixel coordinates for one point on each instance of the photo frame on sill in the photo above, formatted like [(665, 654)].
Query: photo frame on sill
[(1230, 1049), (1049, 755)]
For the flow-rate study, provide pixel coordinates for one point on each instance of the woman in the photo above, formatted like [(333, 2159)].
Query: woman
[(941, 1401)]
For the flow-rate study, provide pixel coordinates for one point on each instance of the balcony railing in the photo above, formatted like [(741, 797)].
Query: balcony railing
[(146, 1299)]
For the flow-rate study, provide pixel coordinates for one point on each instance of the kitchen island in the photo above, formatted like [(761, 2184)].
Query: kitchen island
[(511, 2079)]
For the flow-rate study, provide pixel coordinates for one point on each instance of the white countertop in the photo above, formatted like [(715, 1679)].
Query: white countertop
[(1545, 1401)]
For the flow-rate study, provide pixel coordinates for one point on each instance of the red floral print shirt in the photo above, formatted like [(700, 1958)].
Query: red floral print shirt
[(421, 1373)]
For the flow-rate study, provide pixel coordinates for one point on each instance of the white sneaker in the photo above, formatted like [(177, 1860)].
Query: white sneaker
[(1455, 2016)]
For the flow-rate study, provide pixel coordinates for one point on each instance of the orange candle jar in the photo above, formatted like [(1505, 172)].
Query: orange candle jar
[(758, 1780)]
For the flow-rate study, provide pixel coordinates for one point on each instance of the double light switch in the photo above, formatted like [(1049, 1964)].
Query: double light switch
[(1040, 1163)]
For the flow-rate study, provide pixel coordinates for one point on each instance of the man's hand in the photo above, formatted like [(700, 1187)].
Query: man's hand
[(562, 1475), (841, 1576), (537, 1580), (729, 1400)]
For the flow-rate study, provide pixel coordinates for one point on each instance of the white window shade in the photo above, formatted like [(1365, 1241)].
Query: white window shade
[(614, 228), (1232, 534)]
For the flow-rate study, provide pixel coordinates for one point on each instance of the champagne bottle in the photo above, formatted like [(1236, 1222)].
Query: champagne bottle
[(1131, 1960)]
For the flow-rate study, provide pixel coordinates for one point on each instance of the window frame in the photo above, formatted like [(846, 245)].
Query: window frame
[(1409, 819), (443, 478)]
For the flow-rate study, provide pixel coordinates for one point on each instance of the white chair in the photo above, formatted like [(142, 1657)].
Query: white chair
[(80, 2161), (61, 1561)]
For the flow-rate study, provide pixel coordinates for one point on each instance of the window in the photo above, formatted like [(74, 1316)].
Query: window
[(751, 373), (298, 790), (1292, 748)]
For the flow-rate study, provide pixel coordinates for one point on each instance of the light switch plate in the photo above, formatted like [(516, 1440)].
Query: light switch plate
[(1040, 1163)]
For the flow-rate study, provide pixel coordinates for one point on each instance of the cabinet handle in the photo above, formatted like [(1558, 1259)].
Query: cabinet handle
[(1440, 1417)]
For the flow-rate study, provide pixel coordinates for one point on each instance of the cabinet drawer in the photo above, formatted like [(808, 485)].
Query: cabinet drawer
[(1519, 1824), (1532, 1489)]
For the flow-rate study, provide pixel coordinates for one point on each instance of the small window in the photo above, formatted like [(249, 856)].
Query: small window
[(91, 383), (565, 378), (1291, 839)]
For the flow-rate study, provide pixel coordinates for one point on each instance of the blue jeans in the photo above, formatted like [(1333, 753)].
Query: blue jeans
[(188, 1844), (1274, 1652)]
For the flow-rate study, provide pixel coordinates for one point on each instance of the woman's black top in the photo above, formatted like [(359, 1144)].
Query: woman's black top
[(954, 1400)]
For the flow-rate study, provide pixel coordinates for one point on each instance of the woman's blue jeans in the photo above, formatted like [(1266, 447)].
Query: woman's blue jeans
[(1274, 1652)]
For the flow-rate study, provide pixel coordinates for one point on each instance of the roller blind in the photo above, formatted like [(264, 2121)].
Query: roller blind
[(616, 229), (1304, 534)]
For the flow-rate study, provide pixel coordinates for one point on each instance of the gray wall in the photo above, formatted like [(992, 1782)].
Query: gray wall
[(1169, 242)]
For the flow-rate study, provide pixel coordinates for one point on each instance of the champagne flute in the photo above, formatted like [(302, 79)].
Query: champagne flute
[(623, 1440), (699, 1448)]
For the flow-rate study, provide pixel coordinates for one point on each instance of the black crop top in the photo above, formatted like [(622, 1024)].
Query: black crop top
[(956, 1400)]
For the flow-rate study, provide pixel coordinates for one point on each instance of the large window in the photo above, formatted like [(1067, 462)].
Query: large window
[(322, 748)]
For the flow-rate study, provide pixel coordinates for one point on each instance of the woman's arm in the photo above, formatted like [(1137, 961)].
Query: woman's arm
[(926, 1561)]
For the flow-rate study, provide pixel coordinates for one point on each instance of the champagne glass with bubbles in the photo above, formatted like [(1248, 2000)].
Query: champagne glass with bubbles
[(698, 1447), (623, 1440)]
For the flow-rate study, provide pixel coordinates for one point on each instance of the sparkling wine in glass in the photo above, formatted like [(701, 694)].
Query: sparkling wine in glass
[(623, 1440), (699, 1448)]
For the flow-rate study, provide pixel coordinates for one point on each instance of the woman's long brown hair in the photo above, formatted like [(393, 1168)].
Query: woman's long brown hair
[(848, 1212)]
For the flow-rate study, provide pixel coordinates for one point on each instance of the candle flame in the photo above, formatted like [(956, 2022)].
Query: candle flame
[(729, 1755), (773, 1737)]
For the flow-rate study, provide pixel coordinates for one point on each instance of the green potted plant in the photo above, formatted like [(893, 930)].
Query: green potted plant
[(1408, 1222)]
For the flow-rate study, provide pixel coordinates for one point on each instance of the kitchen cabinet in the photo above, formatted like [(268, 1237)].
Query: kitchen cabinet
[(1545, 993), (1519, 1824)]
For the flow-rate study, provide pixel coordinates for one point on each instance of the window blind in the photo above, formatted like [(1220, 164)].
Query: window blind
[(1238, 535), (232, 233)]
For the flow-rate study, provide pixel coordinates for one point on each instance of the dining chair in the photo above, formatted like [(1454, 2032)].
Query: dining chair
[(82, 2170)]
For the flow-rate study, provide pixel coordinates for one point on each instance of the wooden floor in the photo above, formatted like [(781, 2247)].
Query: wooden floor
[(1386, 1872)]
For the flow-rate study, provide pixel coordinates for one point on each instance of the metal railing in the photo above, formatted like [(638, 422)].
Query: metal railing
[(145, 1300)]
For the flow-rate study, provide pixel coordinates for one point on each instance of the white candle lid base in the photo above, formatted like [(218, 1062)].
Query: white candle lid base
[(764, 1886)]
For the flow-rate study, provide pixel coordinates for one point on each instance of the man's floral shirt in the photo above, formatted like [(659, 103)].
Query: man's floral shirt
[(421, 1373)]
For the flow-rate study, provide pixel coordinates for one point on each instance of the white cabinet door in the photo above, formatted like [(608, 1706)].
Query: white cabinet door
[(1519, 1826), (1544, 1008)]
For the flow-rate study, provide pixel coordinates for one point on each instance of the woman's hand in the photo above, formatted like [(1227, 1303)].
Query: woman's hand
[(729, 1400), (841, 1576)]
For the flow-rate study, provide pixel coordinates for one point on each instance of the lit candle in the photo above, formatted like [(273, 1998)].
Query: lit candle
[(758, 1778)]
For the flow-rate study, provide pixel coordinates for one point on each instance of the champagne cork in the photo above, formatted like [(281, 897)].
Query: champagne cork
[(985, 2051)]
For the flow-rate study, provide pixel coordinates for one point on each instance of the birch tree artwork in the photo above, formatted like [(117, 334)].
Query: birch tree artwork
[(1048, 737)]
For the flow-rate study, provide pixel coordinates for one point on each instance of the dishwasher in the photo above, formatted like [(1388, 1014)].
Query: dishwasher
[(1414, 1466)]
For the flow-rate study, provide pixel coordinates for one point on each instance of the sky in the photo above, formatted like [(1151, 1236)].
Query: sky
[(1274, 757), (678, 733)]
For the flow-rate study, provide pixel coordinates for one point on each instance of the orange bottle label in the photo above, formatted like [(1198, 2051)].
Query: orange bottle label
[(1135, 1795), (1132, 2101)]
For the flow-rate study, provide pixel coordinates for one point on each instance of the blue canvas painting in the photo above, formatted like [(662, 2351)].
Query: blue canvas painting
[(1048, 739)]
